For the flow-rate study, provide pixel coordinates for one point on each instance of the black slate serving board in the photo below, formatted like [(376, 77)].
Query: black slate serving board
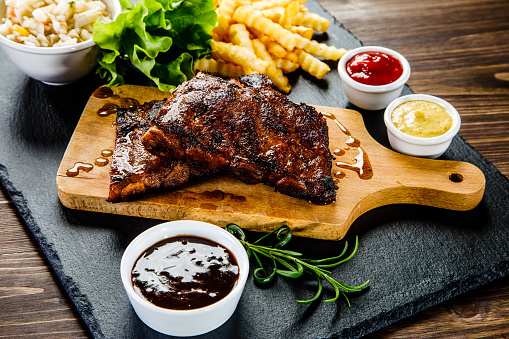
[(415, 256)]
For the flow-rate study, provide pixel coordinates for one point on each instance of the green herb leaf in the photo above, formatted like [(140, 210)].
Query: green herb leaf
[(294, 265), (161, 38)]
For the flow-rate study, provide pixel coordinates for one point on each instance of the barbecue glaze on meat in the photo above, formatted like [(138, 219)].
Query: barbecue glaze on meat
[(249, 128), (135, 171)]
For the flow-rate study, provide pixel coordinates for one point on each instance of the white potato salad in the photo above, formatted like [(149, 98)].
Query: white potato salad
[(51, 23)]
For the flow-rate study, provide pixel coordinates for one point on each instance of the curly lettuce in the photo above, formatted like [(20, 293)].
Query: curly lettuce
[(161, 38)]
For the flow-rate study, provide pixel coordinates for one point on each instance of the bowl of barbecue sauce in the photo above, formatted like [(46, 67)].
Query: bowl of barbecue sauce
[(373, 76), (184, 278)]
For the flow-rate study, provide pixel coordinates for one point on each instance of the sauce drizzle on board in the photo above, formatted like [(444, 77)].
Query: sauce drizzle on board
[(101, 162), (83, 166), (103, 92), (362, 164), (106, 152), (109, 107), (79, 166)]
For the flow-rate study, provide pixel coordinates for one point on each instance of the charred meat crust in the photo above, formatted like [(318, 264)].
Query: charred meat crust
[(249, 128), (134, 171)]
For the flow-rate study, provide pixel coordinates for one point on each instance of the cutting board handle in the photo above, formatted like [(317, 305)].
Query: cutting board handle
[(451, 185)]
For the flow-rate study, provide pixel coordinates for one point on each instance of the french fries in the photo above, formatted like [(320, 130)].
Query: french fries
[(286, 20), (238, 55), (239, 36), (255, 19), (274, 37), (312, 65), (224, 12), (274, 73)]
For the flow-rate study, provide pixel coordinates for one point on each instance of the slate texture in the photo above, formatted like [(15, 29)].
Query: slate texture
[(415, 256)]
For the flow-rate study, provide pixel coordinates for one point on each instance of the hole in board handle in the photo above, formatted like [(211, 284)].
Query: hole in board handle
[(456, 177)]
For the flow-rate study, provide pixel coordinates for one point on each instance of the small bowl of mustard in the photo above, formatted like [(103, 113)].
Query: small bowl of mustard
[(421, 125)]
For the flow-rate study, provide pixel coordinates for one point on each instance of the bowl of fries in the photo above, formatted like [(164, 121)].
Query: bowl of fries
[(372, 97), (274, 37)]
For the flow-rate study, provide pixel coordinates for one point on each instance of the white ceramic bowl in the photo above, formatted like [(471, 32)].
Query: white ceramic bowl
[(416, 146), (184, 322), (371, 97), (55, 65)]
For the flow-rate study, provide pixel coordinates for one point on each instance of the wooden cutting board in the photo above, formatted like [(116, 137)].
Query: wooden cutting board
[(368, 176)]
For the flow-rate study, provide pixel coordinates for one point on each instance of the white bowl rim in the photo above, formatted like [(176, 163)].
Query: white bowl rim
[(374, 88), (243, 272), (47, 50), (456, 120), (115, 10)]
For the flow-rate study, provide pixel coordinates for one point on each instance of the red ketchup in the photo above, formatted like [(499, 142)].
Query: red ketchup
[(374, 68)]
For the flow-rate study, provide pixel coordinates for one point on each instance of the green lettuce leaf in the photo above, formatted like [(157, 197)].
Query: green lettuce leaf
[(161, 38)]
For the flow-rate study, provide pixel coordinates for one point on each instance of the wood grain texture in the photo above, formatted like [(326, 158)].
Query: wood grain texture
[(393, 178), (32, 302), (457, 49)]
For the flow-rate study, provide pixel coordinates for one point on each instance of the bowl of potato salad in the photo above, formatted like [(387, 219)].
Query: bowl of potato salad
[(51, 41)]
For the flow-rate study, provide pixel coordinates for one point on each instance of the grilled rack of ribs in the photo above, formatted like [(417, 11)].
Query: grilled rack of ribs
[(135, 171), (247, 127)]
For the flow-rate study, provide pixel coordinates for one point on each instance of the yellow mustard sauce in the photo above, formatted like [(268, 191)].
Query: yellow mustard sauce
[(421, 118)]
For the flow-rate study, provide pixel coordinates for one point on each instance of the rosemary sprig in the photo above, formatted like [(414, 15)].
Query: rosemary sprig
[(292, 263)]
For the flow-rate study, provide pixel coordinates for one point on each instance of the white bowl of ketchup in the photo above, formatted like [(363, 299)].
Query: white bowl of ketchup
[(373, 76)]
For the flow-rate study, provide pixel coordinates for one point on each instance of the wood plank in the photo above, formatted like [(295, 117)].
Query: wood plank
[(33, 303)]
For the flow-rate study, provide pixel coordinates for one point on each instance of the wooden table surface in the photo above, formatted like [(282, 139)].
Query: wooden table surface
[(458, 49)]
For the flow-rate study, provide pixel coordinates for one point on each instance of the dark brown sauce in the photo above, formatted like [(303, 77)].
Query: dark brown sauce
[(106, 153), (107, 109), (338, 152), (362, 164), (185, 272), (129, 103), (111, 108), (103, 92), (336, 121), (101, 162), (339, 174), (353, 142), (79, 166)]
